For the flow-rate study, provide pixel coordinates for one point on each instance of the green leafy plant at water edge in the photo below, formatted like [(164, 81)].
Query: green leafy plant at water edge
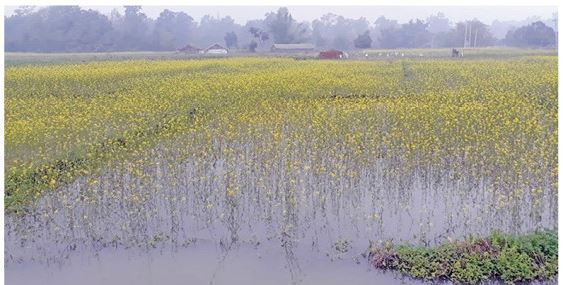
[(510, 258)]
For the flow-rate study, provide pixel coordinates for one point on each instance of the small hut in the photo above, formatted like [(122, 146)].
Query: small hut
[(331, 54), (216, 49), (190, 49)]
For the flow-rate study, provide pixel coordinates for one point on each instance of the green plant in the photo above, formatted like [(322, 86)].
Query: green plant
[(515, 266), (472, 268), (508, 257)]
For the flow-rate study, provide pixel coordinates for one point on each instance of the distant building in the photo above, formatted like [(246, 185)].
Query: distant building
[(331, 54), (292, 48), (190, 49), (216, 49)]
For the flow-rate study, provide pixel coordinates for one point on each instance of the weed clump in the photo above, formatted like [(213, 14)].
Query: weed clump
[(500, 256)]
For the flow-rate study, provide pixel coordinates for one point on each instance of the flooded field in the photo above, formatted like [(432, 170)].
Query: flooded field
[(241, 171), (174, 215), (201, 263)]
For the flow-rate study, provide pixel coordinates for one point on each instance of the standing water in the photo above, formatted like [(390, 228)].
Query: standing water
[(171, 225)]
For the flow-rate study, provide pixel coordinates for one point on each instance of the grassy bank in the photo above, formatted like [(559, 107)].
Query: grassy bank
[(499, 256)]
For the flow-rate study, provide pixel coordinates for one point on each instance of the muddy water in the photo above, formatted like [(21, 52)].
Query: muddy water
[(222, 223), (202, 263)]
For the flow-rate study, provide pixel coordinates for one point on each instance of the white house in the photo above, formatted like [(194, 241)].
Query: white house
[(216, 49)]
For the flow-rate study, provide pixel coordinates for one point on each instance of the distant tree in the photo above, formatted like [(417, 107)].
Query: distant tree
[(252, 46), (333, 31), (454, 37), (415, 34), (172, 30), (385, 29), (438, 23), (320, 41), (93, 33), (410, 35), (382, 23), (363, 40), (212, 30), (325, 28), (56, 28), (280, 25), (231, 40), (264, 37), (480, 34), (341, 42), (246, 36), (71, 28), (132, 30), (254, 31), (259, 35), (285, 29), (536, 34), (390, 37), (468, 34)]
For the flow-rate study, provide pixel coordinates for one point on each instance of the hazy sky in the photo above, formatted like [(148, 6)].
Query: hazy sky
[(401, 13)]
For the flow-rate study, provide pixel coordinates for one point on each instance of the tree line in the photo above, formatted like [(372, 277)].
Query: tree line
[(73, 29)]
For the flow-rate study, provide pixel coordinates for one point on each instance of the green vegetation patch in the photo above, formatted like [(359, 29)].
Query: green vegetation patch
[(500, 256)]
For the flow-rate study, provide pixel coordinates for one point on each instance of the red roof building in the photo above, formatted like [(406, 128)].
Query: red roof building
[(331, 54)]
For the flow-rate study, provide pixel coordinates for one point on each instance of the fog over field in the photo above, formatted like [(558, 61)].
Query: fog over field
[(242, 14), (164, 28)]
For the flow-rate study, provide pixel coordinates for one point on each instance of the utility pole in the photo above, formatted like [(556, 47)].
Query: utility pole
[(475, 41), (465, 36), (469, 35)]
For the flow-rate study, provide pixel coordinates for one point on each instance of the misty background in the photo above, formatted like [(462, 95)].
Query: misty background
[(158, 28)]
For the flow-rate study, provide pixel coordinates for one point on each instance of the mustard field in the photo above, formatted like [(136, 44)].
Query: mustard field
[(493, 120), (306, 154)]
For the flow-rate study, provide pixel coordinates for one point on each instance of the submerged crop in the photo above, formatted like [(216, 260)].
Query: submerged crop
[(145, 154), (492, 120)]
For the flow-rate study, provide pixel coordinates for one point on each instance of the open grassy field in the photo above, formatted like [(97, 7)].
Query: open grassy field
[(468, 53), (145, 153), (15, 58), (26, 58)]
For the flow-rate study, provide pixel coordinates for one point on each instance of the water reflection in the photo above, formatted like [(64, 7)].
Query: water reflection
[(236, 215)]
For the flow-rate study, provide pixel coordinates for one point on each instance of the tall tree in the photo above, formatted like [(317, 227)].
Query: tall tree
[(231, 40), (438, 23), (385, 29), (333, 31), (172, 30), (259, 35), (363, 40), (252, 46), (409, 35), (415, 34), (469, 34), (212, 30), (285, 29), (56, 28), (132, 30), (536, 34)]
